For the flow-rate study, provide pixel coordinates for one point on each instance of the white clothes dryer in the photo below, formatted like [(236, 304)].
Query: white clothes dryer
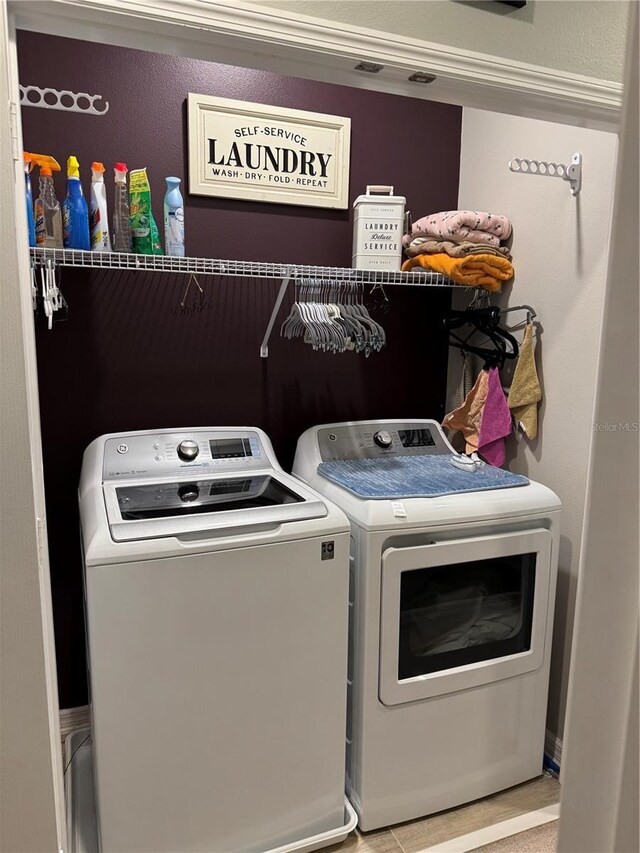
[(452, 589), (217, 618)]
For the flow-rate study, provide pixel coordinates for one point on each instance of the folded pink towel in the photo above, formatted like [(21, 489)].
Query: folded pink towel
[(495, 425), (461, 225)]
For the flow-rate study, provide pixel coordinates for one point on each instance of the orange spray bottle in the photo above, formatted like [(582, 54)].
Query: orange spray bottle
[(48, 216)]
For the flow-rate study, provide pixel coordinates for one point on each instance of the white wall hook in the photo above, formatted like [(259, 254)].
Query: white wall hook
[(62, 99), (571, 173)]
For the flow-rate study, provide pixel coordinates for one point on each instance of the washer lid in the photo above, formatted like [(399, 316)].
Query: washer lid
[(146, 510)]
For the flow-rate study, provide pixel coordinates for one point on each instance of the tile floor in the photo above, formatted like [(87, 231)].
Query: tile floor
[(416, 835)]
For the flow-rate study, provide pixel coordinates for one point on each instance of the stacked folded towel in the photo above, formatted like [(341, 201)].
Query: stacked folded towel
[(425, 246), (464, 245), (488, 271)]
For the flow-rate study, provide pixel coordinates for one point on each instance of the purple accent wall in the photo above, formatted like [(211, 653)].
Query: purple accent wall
[(128, 358)]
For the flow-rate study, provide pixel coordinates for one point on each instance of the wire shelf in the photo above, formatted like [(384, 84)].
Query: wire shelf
[(238, 269)]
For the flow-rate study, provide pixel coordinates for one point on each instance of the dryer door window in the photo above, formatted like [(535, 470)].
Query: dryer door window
[(461, 613), (464, 613)]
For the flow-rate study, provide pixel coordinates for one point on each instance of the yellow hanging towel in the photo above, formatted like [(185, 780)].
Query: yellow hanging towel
[(525, 392)]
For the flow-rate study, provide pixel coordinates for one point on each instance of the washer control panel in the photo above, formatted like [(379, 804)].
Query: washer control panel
[(165, 454), (376, 439)]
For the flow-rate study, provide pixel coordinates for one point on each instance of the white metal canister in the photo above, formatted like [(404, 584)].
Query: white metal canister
[(378, 223)]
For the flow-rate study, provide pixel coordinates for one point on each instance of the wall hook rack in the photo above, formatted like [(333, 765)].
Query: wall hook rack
[(62, 99), (571, 172)]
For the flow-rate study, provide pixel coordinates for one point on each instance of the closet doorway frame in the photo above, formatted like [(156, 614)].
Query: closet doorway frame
[(229, 33)]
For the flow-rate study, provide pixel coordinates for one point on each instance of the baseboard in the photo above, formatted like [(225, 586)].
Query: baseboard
[(72, 719), (553, 747), (497, 831)]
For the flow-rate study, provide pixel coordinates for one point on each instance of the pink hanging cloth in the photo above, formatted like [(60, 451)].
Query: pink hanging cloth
[(496, 422)]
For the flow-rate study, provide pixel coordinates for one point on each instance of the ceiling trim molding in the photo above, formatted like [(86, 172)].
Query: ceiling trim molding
[(321, 49)]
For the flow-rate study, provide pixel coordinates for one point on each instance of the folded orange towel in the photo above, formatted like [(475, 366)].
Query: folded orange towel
[(488, 271)]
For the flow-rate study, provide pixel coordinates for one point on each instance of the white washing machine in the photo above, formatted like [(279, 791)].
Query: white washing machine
[(452, 601), (217, 619)]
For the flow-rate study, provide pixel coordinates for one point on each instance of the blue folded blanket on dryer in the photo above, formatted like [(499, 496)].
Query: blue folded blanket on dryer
[(399, 477)]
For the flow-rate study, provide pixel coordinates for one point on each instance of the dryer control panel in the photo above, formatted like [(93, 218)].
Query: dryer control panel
[(376, 439), (167, 454)]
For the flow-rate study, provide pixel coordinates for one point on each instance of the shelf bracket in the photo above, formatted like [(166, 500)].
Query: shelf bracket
[(264, 348)]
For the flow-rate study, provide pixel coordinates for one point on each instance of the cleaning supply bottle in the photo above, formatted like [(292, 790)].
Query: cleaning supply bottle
[(31, 225), (144, 231), (75, 213), (174, 219), (98, 221), (121, 225), (48, 219)]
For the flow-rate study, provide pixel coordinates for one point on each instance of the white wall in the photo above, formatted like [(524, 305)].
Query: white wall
[(31, 787), (560, 253), (584, 36), (601, 798)]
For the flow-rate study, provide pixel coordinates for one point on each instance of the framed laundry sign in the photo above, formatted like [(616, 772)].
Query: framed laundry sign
[(254, 152)]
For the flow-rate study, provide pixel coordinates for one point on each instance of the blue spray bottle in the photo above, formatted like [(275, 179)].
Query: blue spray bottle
[(174, 219), (31, 223), (75, 213)]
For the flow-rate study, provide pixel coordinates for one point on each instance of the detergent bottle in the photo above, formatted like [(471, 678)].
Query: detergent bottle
[(144, 231), (121, 224), (98, 219), (174, 218), (48, 219), (75, 213), (31, 225)]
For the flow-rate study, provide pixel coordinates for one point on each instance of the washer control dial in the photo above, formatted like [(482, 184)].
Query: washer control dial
[(188, 450), (383, 438), (189, 492)]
